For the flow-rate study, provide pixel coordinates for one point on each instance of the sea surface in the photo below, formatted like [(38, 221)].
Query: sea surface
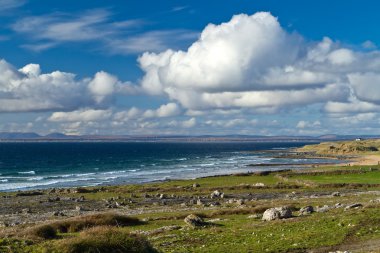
[(56, 164)]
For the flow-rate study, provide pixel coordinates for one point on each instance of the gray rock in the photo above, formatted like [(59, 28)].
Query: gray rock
[(216, 194), (216, 203), (306, 210), (162, 196), (356, 205), (195, 185), (271, 214), (58, 213), (194, 221), (26, 211), (277, 213), (240, 202), (52, 191), (285, 212), (335, 194), (323, 209), (200, 202)]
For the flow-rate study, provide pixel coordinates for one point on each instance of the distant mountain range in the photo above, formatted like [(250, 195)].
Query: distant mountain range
[(19, 136)]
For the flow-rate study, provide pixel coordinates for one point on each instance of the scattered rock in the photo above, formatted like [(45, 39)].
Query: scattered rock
[(80, 199), (259, 185), (26, 211), (58, 213), (216, 203), (335, 194), (200, 202), (240, 202), (323, 209), (52, 191), (112, 205), (162, 196), (194, 221), (217, 194), (356, 205), (195, 185), (54, 199), (78, 208), (277, 213), (306, 210)]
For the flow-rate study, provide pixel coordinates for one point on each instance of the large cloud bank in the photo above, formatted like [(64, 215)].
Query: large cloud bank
[(27, 89), (252, 62), (233, 72)]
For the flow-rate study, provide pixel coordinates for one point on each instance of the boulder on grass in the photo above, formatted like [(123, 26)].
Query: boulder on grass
[(194, 221), (306, 210), (277, 213)]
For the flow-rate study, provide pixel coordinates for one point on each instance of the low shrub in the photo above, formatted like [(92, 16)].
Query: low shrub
[(104, 219), (41, 232), (104, 239)]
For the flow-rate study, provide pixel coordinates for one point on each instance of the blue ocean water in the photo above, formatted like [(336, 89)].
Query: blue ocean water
[(57, 164)]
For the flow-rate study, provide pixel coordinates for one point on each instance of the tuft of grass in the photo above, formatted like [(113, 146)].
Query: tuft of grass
[(41, 232), (104, 239), (103, 219)]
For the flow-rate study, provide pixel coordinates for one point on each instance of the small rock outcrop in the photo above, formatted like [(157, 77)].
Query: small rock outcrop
[(194, 221), (217, 194), (356, 205), (323, 209), (277, 213), (306, 210)]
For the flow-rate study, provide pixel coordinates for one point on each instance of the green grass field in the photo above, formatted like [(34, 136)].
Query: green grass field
[(231, 229)]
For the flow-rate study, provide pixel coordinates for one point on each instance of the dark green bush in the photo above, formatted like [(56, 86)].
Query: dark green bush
[(105, 240), (42, 232), (104, 219)]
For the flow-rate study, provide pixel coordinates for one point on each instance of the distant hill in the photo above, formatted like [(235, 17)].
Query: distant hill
[(15, 135), (18, 136), (352, 147)]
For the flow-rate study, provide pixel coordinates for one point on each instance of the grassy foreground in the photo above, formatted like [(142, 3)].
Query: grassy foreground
[(153, 218)]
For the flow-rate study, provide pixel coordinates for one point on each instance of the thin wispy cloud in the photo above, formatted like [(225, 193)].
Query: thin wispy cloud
[(153, 41), (6, 5), (122, 37), (61, 27), (180, 8)]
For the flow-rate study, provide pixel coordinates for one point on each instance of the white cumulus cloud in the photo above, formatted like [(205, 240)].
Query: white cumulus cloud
[(252, 62), (81, 116), (27, 89)]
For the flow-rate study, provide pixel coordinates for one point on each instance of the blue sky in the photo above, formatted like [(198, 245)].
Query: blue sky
[(190, 67)]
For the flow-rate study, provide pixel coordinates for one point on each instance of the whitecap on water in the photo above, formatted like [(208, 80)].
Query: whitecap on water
[(32, 172), (35, 178)]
